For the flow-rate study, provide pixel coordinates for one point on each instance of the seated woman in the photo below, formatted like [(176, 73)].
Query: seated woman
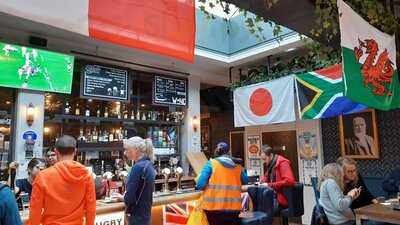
[(335, 203), (353, 180)]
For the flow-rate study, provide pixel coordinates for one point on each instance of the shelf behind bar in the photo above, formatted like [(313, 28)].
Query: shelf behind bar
[(60, 118)]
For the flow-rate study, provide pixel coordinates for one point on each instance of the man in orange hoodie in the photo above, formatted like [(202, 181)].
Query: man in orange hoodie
[(63, 194)]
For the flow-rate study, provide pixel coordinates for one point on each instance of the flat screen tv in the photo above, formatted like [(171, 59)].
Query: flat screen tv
[(35, 69)]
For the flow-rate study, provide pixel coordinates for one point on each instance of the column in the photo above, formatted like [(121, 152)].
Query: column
[(190, 139), (23, 131)]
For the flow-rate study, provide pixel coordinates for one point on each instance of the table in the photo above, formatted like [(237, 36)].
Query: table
[(377, 212)]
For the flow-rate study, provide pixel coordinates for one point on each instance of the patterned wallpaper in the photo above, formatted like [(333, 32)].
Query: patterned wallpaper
[(389, 141)]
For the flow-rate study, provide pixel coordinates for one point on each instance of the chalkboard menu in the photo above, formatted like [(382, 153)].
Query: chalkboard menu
[(169, 91), (104, 83)]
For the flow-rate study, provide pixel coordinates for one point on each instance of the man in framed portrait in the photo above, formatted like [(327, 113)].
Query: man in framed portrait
[(360, 143)]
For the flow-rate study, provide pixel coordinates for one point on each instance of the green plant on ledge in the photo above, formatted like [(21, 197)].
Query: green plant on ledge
[(318, 56)]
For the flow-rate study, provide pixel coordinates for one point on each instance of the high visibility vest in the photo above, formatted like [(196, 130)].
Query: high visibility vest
[(223, 191)]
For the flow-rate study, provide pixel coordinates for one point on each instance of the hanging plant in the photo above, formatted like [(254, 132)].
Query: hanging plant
[(373, 11), (254, 23)]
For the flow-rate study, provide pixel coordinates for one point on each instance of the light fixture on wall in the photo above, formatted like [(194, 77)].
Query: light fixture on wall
[(195, 123), (30, 114)]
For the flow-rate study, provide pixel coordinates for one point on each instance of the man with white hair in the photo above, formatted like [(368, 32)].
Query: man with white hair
[(140, 185), (361, 143)]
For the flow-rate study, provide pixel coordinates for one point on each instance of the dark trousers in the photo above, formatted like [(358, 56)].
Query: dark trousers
[(223, 217)]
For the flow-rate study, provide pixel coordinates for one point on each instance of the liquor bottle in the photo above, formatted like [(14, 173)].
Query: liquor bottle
[(116, 135), (118, 110), (87, 110), (98, 111), (138, 115), (81, 136), (105, 112), (167, 117), (144, 117), (88, 135), (125, 133), (121, 134), (95, 135), (132, 115), (105, 136), (77, 110), (101, 137), (67, 109), (111, 137), (125, 112)]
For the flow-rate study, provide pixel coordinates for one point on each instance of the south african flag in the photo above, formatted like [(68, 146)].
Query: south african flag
[(320, 94)]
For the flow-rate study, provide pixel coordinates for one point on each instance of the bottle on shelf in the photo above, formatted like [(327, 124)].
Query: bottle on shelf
[(121, 134), (88, 135), (87, 110), (95, 135), (138, 115), (144, 117), (81, 136), (111, 137), (101, 136), (132, 115), (125, 112), (77, 109), (105, 136), (118, 110), (67, 109), (106, 112), (98, 111), (125, 133), (167, 117)]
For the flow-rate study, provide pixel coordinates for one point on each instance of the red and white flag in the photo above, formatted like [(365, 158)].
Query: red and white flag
[(265, 103), (165, 27)]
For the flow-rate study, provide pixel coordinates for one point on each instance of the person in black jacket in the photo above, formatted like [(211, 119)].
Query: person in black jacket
[(353, 180)]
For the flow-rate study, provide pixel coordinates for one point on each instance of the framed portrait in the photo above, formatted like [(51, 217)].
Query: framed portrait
[(359, 135)]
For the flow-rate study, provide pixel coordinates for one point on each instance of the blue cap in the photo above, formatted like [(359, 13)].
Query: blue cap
[(223, 148)]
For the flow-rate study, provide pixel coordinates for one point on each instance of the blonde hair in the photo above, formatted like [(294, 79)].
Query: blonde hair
[(343, 161), (331, 171), (144, 146)]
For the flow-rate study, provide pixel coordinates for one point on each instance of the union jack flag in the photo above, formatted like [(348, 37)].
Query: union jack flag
[(177, 213)]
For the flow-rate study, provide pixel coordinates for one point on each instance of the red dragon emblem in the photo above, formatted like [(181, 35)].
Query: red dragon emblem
[(376, 74)]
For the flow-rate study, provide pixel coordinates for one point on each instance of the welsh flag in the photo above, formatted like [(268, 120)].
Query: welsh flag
[(165, 27), (369, 62), (265, 103)]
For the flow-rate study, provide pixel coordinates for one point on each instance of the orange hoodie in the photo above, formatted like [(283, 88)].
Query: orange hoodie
[(62, 195)]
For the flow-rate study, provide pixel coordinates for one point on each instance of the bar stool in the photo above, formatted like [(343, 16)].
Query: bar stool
[(262, 198), (294, 196)]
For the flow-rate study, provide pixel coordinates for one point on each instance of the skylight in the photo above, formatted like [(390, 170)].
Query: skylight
[(218, 10)]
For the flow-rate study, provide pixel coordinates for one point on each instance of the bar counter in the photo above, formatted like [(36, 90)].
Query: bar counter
[(113, 213)]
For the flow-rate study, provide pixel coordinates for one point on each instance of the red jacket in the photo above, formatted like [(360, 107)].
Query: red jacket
[(284, 178)]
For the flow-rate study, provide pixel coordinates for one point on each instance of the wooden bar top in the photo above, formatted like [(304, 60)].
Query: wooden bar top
[(104, 208)]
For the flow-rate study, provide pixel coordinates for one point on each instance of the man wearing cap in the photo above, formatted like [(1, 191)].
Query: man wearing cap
[(63, 193), (221, 179), (278, 175)]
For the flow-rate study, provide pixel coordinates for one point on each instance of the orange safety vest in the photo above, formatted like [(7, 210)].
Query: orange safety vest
[(223, 191)]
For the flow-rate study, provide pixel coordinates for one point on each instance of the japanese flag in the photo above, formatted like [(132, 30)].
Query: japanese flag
[(265, 103)]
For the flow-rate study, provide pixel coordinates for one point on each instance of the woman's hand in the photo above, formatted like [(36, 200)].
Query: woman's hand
[(354, 193)]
